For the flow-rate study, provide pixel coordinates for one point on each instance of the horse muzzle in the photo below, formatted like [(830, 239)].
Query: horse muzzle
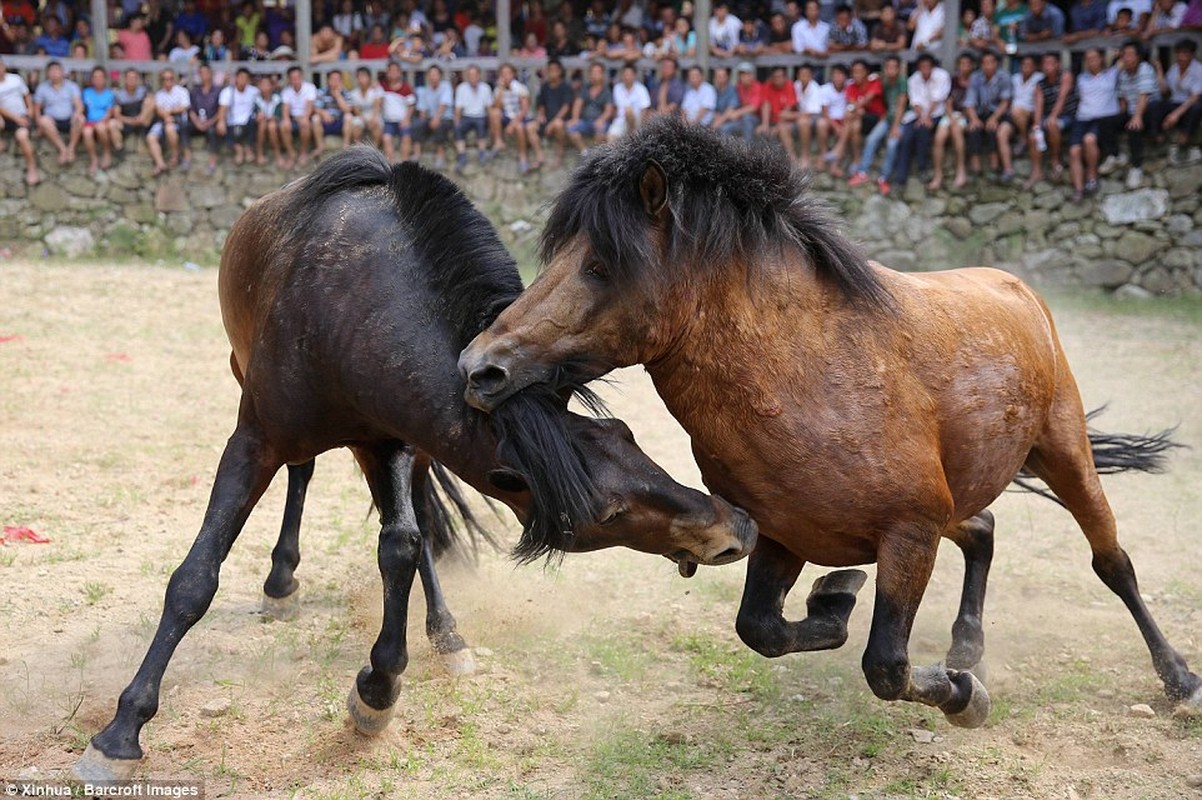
[(492, 375), (736, 540)]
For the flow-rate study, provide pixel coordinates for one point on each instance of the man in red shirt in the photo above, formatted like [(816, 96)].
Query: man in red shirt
[(746, 117), (778, 108), (865, 107), (376, 45)]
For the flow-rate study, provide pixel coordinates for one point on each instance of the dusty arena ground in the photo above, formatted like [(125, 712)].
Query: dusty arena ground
[(610, 677)]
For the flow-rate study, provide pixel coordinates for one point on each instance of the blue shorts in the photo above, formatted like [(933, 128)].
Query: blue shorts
[(1102, 129), (468, 124), (396, 129), (585, 127), (333, 127)]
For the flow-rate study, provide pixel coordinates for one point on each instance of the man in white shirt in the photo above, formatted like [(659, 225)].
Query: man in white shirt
[(810, 34), (365, 99), (472, 101), (298, 98), (700, 99), (16, 116), (724, 30), (810, 120), (1097, 119), (631, 101), (927, 25), (171, 104), (508, 114), (1182, 111), (1140, 10), (236, 106), (435, 115), (928, 89)]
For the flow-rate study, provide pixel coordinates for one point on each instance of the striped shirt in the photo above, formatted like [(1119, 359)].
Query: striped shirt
[(1051, 91), (1097, 95), (1143, 81)]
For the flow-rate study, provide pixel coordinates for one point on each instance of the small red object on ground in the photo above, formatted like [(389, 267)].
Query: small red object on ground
[(14, 533), (119, 357), (11, 337)]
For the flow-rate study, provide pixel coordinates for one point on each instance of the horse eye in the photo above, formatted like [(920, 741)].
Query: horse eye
[(596, 270), (611, 514)]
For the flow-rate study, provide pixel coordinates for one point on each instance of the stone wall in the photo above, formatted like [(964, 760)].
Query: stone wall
[(1143, 241)]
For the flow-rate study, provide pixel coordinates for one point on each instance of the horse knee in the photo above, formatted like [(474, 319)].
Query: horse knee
[(190, 591)]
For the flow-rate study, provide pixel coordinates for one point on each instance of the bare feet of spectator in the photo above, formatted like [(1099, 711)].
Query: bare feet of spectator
[(262, 161), (936, 184), (158, 170), (1033, 179), (303, 160), (32, 178), (960, 181), (93, 166), (281, 162), (106, 162), (62, 157)]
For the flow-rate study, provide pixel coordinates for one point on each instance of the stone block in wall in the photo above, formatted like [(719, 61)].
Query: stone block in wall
[(79, 185), (1183, 181), (126, 176), (1179, 224), (1188, 205), (985, 213), (120, 195), (960, 227), (1137, 206), (225, 216), (70, 241), (206, 195), (1049, 200), (1077, 210), (1107, 273), (1010, 222), (1135, 247), (1178, 258), (49, 196), (180, 224), (1157, 281), (1107, 231), (142, 213), (170, 196)]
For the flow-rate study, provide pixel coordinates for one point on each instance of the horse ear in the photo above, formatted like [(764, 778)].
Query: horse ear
[(508, 481), (653, 188)]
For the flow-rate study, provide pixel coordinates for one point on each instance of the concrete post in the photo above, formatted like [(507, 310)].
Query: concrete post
[(701, 24), (504, 29), (304, 34), (100, 33), (949, 46)]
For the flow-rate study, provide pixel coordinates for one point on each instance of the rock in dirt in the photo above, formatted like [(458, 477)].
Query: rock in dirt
[(1142, 710), (483, 652), (1194, 781), (922, 736), (215, 708), (601, 696)]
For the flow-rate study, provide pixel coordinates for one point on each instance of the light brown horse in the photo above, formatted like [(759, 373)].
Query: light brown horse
[(859, 414)]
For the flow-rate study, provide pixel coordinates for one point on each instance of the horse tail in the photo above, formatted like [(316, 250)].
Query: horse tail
[(1113, 453), (445, 506)]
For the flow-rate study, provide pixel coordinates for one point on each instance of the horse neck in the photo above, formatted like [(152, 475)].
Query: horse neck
[(756, 333)]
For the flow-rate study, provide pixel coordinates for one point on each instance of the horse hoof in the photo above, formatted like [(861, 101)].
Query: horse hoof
[(1190, 708), (976, 712), (281, 609), (459, 663), (843, 581), (95, 767), (980, 670), (367, 720)]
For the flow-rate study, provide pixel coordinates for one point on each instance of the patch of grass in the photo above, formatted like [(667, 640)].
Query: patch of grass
[(618, 657), (731, 667), (94, 592), (7, 559), (1070, 683), (627, 762)]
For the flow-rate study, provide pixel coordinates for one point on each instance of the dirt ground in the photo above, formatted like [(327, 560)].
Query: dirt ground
[(607, 677)]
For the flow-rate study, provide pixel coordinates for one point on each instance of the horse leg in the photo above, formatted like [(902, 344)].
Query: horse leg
[(771, 572), (1062, 457), (246, 469), (904, 563), (974, 537), (388, 468), (279, 590), (440, 623)]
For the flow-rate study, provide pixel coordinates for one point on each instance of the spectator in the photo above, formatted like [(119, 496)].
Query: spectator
[(159, 26), (83, 37), (573, 24), (811, 34), (889, 33), (848, 33), (52, 39), (700, 99), (215, 50), (1193, 16), (134, 110), (726, 102), (331, 113), (669, 91), (928, 89), (1140, 11), (17, 116), (1055, 110), (134, 39), (246, 25), (451, 47), (171, 104), (184, 51), (811, 122), (927, 25), (376, 45), (741, 117), (631, 102), (887, 128), (298, 98), (1043, 21), (983, 33), (1087, 18), (834, 112), (348, 23), (396, 111), (1166, 16), (865, 108), (869, 11), (560, 44), (99, 105), (592, 109), (596, 19), (551, 112), (531, 48), (509, 113), (236, 107), (59, 110), (1097, 117), (366, 100), (269, 113), (472, 101), (1008, 19), (325, 45), (753, 38), (1024, 85), (1137, 86), (987, 108), (1123, 25), (907, 9), (780, 35), (202, 114), (724, 30), (1181, 112), (629, 13), (260, 50), (778, 108), (191, 21)]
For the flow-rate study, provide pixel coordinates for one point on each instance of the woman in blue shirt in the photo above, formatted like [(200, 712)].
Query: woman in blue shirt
[(98, 104)]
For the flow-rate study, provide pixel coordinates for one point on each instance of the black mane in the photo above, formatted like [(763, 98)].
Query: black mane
[(728, 202), (476, 279)]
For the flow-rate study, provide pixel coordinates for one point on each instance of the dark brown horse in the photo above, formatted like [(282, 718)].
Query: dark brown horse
[(347, 298), (859, 414)]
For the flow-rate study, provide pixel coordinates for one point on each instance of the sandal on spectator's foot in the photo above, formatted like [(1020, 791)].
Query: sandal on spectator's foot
[(1091, 186), (1030, 182), (157, 171), (1057, 173), (858, 179), (1006, 177), (1078, 197)]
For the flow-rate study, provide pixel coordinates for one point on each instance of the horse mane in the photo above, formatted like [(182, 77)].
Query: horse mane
[(473, 275), (475, 278), (728, 202)]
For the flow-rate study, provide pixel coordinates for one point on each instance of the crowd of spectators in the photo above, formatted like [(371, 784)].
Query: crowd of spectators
[(830, 117)]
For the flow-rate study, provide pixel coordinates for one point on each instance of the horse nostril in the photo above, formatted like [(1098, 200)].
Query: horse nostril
[(729, 554), (488, 380)]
